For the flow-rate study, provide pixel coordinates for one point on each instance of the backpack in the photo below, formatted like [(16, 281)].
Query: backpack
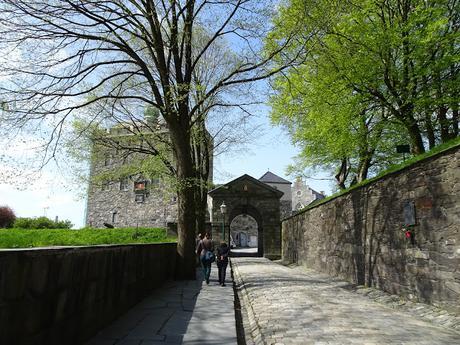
[(209, 256)]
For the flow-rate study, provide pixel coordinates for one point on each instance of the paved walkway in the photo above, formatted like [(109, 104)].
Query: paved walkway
[(294, 306), (183, 312)]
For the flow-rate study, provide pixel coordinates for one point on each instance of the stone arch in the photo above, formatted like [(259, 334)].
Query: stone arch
[(246, 225), (254, 213), (246, 195)]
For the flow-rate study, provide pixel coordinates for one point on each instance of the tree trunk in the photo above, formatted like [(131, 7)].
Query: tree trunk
[(365, 151), (414, 135), (455, 121), (342, 175), (429, 130), (443, 123), (364, 165), (186, 216), (200, 145)]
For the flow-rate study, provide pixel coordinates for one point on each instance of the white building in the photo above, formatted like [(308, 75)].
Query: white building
[(303, 195)]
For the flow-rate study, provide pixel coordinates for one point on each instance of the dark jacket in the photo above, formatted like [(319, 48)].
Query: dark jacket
[(222, 254)]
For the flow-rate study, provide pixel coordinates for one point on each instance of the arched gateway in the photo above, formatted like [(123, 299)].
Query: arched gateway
[(247, 196)]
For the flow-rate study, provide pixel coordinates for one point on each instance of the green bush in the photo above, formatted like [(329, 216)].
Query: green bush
[(41, 223), (23, 223), (7, 217)]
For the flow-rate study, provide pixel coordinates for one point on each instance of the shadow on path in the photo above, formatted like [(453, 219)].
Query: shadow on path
[(179, 312)]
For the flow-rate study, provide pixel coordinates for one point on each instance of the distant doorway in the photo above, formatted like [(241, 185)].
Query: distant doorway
[(244, 234), (243, 239)]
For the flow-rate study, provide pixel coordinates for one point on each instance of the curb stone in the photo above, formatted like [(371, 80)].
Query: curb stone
[(252, 333)]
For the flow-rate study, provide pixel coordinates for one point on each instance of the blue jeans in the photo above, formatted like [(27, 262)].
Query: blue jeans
[(206, 268)]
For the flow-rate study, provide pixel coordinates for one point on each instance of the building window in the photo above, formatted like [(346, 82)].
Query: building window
[(139, 198), (124, 184), (114, 217), (108, 159), (174, 198), (299, 192), (106, 186), (139, 186)]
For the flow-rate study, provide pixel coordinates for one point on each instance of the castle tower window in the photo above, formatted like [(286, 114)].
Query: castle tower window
[(139, 198), (124, 184), (106, 185), (108, 159), (114, 217), (299, 192), (139, 186)]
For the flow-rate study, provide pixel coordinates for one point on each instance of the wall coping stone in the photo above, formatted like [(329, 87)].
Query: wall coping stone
[(374, 180), (96, 246)]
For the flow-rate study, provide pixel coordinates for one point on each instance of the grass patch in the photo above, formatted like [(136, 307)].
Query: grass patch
[(392, 169), (21, 238)]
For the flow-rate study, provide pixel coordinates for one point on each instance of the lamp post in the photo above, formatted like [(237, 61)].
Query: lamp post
[(223, 210)]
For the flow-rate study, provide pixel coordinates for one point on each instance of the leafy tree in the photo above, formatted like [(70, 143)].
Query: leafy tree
[(378, 71), (122, 56), (7, 217), (332, 125)]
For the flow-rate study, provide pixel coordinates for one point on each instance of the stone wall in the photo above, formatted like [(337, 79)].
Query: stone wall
[(120, 204), (359, 237), (285, 209), (65, 295)]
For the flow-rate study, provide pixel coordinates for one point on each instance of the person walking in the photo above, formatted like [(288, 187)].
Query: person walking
[(222, 261), (199, 238), (205, 250)]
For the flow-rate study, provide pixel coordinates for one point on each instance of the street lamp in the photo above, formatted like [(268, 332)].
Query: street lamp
[(223, 210)]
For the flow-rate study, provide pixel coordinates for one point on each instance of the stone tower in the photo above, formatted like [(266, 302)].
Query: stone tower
[(131, 201)]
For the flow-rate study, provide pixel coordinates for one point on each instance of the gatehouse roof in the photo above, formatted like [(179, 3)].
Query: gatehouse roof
[(250, 180)]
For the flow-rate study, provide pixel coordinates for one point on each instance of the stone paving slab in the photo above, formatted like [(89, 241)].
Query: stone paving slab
[(287, 306), (182, 312)]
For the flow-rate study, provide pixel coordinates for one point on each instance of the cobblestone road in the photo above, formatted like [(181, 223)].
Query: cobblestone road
[(290, 306)]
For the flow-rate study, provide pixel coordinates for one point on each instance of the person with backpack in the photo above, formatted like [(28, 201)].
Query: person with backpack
[(206, 251)]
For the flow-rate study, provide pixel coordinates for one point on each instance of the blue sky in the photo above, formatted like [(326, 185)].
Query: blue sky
[(49, 196)]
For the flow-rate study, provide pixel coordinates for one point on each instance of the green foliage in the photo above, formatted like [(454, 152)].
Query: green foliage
[(142, 152), (7, 217), (19, 238), (151, 115), (378, 73), (41, 223), (390, 170)]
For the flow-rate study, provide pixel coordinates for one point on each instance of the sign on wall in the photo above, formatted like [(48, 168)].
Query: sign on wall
[(409, 212)]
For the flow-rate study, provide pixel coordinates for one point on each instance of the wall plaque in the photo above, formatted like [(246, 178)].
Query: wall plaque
[(409, 213)]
